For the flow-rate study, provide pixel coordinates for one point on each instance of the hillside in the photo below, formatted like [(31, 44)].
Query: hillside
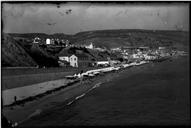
[(121, 37), (42, 57), (117, 38), (12, 54), (41, 35), (17, 54), (18, 51)]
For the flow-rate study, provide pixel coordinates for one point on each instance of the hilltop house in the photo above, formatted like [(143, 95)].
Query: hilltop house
[(91, 46), (36, 40), (47, 41)]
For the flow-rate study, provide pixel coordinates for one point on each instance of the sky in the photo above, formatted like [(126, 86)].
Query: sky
[(71, 18)]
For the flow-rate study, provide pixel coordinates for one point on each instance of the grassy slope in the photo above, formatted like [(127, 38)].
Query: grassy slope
[(13, 54), (101, 38), (117, 38)]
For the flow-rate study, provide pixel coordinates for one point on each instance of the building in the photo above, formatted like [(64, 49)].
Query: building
[(84, 60), (91, 46), (36, 40), (102, 63), (73, 61), (47, 41), (52, 41), (64, 57)]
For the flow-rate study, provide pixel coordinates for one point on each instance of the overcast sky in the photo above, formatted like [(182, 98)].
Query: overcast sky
[(71, 18)]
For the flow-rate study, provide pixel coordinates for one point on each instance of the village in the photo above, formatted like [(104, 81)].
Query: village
[(94, 64), (128, 54)]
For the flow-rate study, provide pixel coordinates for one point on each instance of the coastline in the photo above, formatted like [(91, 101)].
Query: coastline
[(23, 112), (60, 98), (150, 94)]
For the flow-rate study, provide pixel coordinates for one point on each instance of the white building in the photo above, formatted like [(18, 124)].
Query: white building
[(65, 58), (36, 40), (89, 46), (102, 62), (73, 60), (47, 41), (52, 41)]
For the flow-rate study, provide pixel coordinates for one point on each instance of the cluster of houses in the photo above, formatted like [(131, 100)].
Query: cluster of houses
[(82, 60), (55, 42), (51, 41), (142, 53), (128, 53)]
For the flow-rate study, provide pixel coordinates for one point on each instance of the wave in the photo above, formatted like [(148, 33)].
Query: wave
[(70, 102), (80, 96)]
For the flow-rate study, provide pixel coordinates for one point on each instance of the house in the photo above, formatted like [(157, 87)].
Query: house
[(36, 40), (52, 41), (102, 63), (73, 61), (47, 41), (64, 56), (84, 60), (89, 46)]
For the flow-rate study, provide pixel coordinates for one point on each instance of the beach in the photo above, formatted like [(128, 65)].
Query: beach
[(145, 94), (21, 112)]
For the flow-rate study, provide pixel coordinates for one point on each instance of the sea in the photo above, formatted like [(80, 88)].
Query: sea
[(151, 94)]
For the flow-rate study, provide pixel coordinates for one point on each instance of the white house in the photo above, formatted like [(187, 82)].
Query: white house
[(102, 62), (89, 46), (47, 41), (36, 40), (73, 61), (65, 58)]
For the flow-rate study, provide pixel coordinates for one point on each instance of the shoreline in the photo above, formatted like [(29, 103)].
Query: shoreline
[(66, 97), (21, 95)]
